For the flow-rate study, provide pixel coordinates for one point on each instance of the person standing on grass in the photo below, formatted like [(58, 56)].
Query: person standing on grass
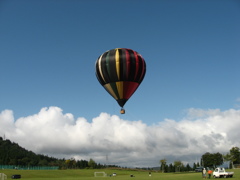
[(209, 173), (204, 173)]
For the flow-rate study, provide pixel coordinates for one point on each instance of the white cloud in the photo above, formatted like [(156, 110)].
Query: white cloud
[(127, 143)]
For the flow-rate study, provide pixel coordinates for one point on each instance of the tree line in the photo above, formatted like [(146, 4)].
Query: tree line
[(13, 154), (177, 166), (210, 160)]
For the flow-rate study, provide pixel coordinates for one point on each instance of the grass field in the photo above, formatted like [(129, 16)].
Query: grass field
[(88, 174)]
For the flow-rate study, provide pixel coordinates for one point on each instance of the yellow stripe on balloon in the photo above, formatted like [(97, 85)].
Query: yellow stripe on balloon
[(117, 63), (120, 89), (110, 90), (100, 69)]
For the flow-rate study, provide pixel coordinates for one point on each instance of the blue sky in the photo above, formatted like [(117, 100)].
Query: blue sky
[(49, 48)]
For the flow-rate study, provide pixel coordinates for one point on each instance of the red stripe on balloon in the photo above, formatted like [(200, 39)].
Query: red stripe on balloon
[(143, 68), (127, 63), (136, 64), (129, 89)]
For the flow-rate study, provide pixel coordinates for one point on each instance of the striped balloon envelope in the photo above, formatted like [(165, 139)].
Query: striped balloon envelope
[(120, 71)]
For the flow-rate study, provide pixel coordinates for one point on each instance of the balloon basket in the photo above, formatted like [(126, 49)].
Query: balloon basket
[(122, 111)]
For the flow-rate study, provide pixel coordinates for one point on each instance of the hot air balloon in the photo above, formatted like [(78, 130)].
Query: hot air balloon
[(120, 71)]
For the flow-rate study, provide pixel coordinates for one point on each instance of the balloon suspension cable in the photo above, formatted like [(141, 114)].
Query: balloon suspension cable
[(122, 111)]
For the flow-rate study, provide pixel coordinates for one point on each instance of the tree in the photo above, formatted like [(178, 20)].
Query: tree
[(82, 164), (235, 153), (178, 165), (212, 160), (194, 165), (71, 163), (217, 159), (171, 168), (68, 163), (163, 163), (188, 167), (166, 168), (233, 156), (92, 164)]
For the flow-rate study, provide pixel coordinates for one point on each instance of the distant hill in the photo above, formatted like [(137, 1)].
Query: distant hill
[(13, 154)]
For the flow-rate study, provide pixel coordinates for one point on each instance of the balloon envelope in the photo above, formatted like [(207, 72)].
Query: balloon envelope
[(120, 71)]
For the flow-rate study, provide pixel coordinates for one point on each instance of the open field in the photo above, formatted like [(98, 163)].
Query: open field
[(88, 174)]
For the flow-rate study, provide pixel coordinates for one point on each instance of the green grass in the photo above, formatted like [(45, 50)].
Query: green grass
[(87, 174)]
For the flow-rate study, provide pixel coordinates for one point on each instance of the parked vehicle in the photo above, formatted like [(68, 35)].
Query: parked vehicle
[(199, 169), (16, 176), (220, 173)]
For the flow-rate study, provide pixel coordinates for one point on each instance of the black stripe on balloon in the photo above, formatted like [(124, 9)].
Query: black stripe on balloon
[(123, 66), (132, 65), (104, 67), (145, 69), (112, 66), (99, 77), (140, 69)]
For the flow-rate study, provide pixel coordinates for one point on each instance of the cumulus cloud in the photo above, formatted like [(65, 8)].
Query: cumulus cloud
[(126, 143)]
